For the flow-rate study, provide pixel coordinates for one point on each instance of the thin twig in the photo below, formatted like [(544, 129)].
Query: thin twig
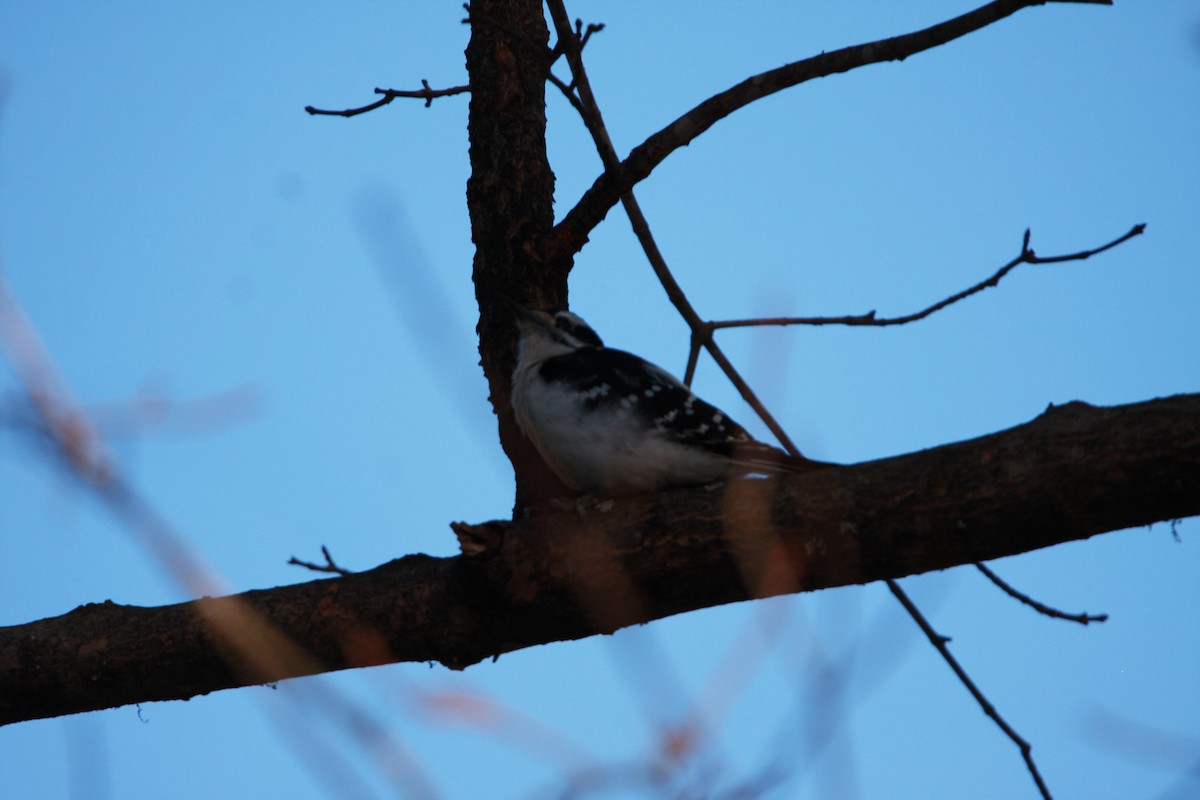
[(697, 344), (581, 38), (1027, 256), (593, 27), (329, 566), (1041, 608), (572, 232), (568, 90), (939, 642), (426, 93)]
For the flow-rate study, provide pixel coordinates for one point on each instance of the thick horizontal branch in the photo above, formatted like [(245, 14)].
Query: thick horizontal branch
[(572, 232), (1074, 472)]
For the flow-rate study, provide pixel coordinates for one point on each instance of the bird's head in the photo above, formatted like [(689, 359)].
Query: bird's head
[(552, 332)]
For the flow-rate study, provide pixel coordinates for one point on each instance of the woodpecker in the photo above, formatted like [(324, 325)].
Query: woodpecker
[(608, 422)]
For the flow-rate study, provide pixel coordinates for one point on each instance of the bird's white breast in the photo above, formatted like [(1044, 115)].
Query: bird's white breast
[(609, 448)]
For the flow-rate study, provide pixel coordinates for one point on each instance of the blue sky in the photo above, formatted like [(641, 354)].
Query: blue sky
[(297, 292)]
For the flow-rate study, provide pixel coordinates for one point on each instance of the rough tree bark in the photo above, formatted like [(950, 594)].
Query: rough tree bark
[(1074, 472), (510, 195)]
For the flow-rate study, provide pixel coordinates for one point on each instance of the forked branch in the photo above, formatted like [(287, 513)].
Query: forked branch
[(329, 566), (1027, 256), (572, 232), (579, 92)]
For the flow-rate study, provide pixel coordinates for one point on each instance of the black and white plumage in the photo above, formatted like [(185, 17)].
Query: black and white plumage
[(609, 422)]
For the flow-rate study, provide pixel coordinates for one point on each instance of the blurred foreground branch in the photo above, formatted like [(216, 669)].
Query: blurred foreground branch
[(1075, 471)]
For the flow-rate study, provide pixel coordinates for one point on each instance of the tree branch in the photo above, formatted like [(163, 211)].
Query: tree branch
[(425, 93), (572, 232), (329, 566), (585, 103), (1040, 607), (1027, 256), (1074, 472), (941, 643)]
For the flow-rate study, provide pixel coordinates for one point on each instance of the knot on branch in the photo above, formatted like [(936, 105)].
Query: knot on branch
[(482, 540)]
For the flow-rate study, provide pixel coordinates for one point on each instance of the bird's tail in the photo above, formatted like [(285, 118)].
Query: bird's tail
[(758, 457)]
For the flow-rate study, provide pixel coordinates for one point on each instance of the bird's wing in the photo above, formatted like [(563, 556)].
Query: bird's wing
[(610, 378)]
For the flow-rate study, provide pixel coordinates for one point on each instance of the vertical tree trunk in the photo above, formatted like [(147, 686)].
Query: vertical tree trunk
[(510, 197)]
